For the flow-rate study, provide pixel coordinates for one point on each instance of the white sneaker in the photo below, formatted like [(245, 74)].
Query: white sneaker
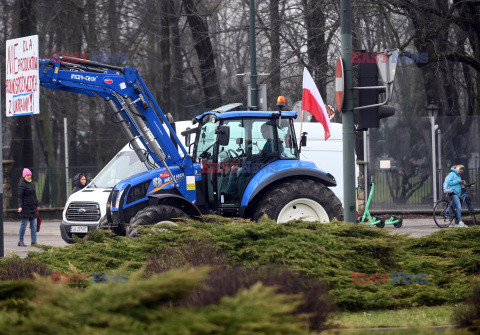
[(461, 224), (454, 225)]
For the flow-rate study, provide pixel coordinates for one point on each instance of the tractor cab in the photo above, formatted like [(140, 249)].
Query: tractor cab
[(233, 146)]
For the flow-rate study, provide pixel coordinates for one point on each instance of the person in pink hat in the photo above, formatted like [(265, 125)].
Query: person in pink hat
[(27, 206)]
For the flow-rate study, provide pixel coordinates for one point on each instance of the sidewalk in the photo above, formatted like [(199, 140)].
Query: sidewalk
[(415, 227), (49, 235)]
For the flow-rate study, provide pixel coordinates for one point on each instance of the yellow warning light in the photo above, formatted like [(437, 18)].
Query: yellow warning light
[(281, 100)]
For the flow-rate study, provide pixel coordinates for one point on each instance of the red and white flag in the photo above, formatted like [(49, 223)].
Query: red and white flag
[(312, 102)]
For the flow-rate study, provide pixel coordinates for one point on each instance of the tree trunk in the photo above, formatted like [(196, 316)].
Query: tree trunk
[(45, 138), (177, 78), (22, 142), (165, 55), (317, 52), (93, 121), (205, 53), (275, 78)]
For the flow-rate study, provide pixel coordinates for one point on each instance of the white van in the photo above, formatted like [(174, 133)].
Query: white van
[(85, 209)]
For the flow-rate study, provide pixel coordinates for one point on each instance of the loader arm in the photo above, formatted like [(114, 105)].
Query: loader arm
[(134, 107)]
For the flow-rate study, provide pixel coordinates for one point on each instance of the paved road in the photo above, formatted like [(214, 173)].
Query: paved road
[(50, 233), (415, 227)]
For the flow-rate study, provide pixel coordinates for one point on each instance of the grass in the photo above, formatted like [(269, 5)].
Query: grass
[(421, 316), (400, 331)]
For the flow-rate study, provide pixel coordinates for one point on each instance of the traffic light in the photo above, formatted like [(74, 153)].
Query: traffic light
[(368, 75)]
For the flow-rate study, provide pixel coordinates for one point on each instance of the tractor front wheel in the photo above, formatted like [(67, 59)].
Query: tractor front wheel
[(104, 224), (153, 215), (300, 199)]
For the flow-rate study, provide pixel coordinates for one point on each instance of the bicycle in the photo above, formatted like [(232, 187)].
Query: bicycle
[(444, 211)]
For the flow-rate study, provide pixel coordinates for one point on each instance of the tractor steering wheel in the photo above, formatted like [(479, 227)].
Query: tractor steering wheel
[(233, 154), (232, 158)]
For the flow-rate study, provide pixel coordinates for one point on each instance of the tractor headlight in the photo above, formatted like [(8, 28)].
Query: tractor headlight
[(138, 192), (119, 196)]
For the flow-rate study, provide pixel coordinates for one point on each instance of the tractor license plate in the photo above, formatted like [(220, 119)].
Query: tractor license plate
[(79, 229)]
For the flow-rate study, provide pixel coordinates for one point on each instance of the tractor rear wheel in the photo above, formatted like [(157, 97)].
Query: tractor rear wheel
[(300, 199), (153, 215)]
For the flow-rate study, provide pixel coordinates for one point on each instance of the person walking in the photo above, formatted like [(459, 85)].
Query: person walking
[(27, 206), (453, 186), (79, 182)]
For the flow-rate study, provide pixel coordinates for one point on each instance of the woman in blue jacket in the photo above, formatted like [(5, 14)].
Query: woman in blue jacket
[(453, 185)]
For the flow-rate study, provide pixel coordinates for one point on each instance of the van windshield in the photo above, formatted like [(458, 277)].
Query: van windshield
[(122, 166)]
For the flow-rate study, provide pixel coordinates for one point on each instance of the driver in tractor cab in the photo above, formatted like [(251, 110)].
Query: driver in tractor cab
[(269, 146), (238, 177)]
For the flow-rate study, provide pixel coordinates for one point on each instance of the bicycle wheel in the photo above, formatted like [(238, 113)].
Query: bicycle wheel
[(443, 214), (471, 212)]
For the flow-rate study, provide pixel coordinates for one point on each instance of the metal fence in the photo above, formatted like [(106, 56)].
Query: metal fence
[(49, 182), (401, 159), (394, 191)]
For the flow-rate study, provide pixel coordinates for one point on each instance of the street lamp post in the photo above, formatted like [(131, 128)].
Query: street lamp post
[(432, 110)]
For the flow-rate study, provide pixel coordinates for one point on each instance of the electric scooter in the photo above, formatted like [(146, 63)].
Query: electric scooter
[(378, 221)]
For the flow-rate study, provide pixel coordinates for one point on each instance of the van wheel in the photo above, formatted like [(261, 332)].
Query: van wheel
[(300, 199), (153, 215)]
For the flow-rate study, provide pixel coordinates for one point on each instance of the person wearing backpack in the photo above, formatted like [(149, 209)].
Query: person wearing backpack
[(453, 186)]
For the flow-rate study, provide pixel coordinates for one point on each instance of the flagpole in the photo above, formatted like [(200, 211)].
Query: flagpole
[(301, 130)]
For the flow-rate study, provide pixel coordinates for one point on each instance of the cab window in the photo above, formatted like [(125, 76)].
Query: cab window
[(206, 142)]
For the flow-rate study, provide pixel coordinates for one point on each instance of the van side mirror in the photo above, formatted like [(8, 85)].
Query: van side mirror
[(188, 140), (223, 133), (303, 141)]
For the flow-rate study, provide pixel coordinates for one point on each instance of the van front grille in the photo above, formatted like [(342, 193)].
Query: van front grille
[(83, 211)]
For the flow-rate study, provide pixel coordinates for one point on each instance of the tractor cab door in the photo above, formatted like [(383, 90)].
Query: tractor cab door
[(253, 144), (231, 157), (204, 154)]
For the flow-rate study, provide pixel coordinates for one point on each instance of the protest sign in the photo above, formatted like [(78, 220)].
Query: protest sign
[(22, 77)]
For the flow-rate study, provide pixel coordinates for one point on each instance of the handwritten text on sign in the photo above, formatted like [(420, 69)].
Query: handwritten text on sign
[(22, 82)]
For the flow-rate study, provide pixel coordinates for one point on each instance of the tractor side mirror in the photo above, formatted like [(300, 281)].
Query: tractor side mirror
[(188, 135), (303, 141), (223, 133)]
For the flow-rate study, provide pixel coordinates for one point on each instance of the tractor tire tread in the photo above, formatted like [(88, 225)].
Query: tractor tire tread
[(279, 195), (153, 214)]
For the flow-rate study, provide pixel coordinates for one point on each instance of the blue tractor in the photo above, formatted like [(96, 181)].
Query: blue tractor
[(240, 163)]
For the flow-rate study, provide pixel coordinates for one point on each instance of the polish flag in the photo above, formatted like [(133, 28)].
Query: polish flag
[(312, 102)]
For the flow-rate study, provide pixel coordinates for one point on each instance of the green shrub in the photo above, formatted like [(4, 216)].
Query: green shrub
[(149, 306), (327, 252)]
